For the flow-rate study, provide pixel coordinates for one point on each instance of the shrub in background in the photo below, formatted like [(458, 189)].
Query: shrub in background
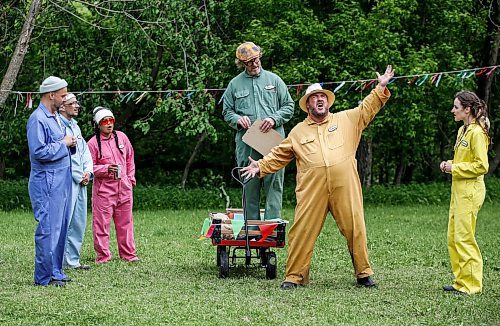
[(14, 195)]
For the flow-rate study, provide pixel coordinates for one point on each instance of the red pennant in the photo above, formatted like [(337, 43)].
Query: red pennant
[(210, 231), (299, 88), (266, 230), (368, 85), (481, 72)]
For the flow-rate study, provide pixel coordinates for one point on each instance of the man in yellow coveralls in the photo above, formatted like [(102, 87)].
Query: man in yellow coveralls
[(468, 167), (324, 146)]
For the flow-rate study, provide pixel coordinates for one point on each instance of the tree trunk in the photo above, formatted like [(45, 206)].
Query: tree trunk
[(496, 160), (2, 166), (369, 163), (400, 170), (490, 50), (21, 48), (364, 158), (191, 159)]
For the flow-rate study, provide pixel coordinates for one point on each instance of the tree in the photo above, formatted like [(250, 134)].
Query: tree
[(18, 56)]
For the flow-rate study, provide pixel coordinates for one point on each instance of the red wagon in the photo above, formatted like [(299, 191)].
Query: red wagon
[(249, 244), (255, 240)]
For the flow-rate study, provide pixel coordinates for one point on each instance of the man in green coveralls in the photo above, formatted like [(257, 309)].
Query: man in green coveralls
[(257, 94)]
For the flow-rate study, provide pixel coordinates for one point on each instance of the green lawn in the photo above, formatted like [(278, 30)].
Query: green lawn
[(177, 281)]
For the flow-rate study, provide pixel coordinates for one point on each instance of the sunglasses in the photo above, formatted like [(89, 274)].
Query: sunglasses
[(106, 121)]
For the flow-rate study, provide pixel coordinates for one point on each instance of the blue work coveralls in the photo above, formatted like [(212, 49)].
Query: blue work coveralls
[(50, 192), (81, 162)]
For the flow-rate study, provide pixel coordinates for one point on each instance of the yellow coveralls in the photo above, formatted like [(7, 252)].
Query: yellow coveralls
[(327, 181), (470, 163)]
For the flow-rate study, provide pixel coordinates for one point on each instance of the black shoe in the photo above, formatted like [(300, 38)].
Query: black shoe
[(65, 280), (83, 267), (288, 286), (55, 283), (366, 282), (450, 288)]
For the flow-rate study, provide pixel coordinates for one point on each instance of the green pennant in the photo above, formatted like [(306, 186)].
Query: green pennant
[(206, 225), (237, 225)]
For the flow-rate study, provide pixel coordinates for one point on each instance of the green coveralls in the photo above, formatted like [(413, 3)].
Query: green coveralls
[(258, 97), (469, 165)]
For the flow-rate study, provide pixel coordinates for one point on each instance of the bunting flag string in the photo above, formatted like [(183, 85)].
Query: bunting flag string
[(356, 85), (339, 87)]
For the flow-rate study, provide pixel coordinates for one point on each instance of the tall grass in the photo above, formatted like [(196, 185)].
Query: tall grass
[(176, 280)]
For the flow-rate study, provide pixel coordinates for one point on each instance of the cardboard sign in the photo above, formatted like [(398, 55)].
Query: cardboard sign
[(262, 142)]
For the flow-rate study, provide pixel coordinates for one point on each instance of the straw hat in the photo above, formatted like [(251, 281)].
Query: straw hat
[(312, 89)]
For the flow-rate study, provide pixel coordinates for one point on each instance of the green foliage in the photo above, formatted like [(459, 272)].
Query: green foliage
[(211, 193), (14, 195), (189, 45)]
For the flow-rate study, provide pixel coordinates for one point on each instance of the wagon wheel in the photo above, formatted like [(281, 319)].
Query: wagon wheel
[(248, 258), (219, 250), (271, 266), (224, 264), (263, 257)]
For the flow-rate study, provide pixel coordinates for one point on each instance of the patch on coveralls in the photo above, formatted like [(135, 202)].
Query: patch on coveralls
[(270, 88), (332, 128), (121, 146), (464, 143)]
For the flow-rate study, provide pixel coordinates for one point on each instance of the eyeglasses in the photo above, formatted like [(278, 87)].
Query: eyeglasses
[(251, 62), (107, 121)]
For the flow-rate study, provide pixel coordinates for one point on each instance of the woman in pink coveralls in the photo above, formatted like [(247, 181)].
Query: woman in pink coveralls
[(114, 178)]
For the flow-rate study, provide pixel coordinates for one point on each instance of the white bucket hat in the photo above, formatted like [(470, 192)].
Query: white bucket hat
[(312, 89), (102, 112)]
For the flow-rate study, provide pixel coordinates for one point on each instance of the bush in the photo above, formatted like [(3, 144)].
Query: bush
[(14, 195)]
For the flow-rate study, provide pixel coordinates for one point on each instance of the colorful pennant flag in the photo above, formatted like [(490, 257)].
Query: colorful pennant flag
[(237, 226), (339, 87), (206, 225), (266, 230), (210, 231)]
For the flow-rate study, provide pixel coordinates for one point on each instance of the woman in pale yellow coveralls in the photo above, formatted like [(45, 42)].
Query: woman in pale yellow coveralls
[(469, 164), (324, 146)]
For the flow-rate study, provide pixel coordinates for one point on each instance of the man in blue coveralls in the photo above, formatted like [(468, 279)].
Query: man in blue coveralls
[(82, 169), (50, 182)]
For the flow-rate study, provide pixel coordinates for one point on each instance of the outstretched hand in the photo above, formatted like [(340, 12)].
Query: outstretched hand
[(251, 170), (384, 79)]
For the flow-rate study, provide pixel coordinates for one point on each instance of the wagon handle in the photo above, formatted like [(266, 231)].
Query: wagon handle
[(236, 174)]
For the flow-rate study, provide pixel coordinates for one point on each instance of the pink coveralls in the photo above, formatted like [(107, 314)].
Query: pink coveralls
[(112, 198)]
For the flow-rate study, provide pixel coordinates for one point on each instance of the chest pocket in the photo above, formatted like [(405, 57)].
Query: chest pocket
[(55, 134), (308, 146), (242, 101), (335, 139), (462, 148), (269, 96)]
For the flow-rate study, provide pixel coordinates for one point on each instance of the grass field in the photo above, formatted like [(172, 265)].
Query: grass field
[(176, 281)]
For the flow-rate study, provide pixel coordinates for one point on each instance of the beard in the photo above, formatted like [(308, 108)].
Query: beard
[(317, 114)]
